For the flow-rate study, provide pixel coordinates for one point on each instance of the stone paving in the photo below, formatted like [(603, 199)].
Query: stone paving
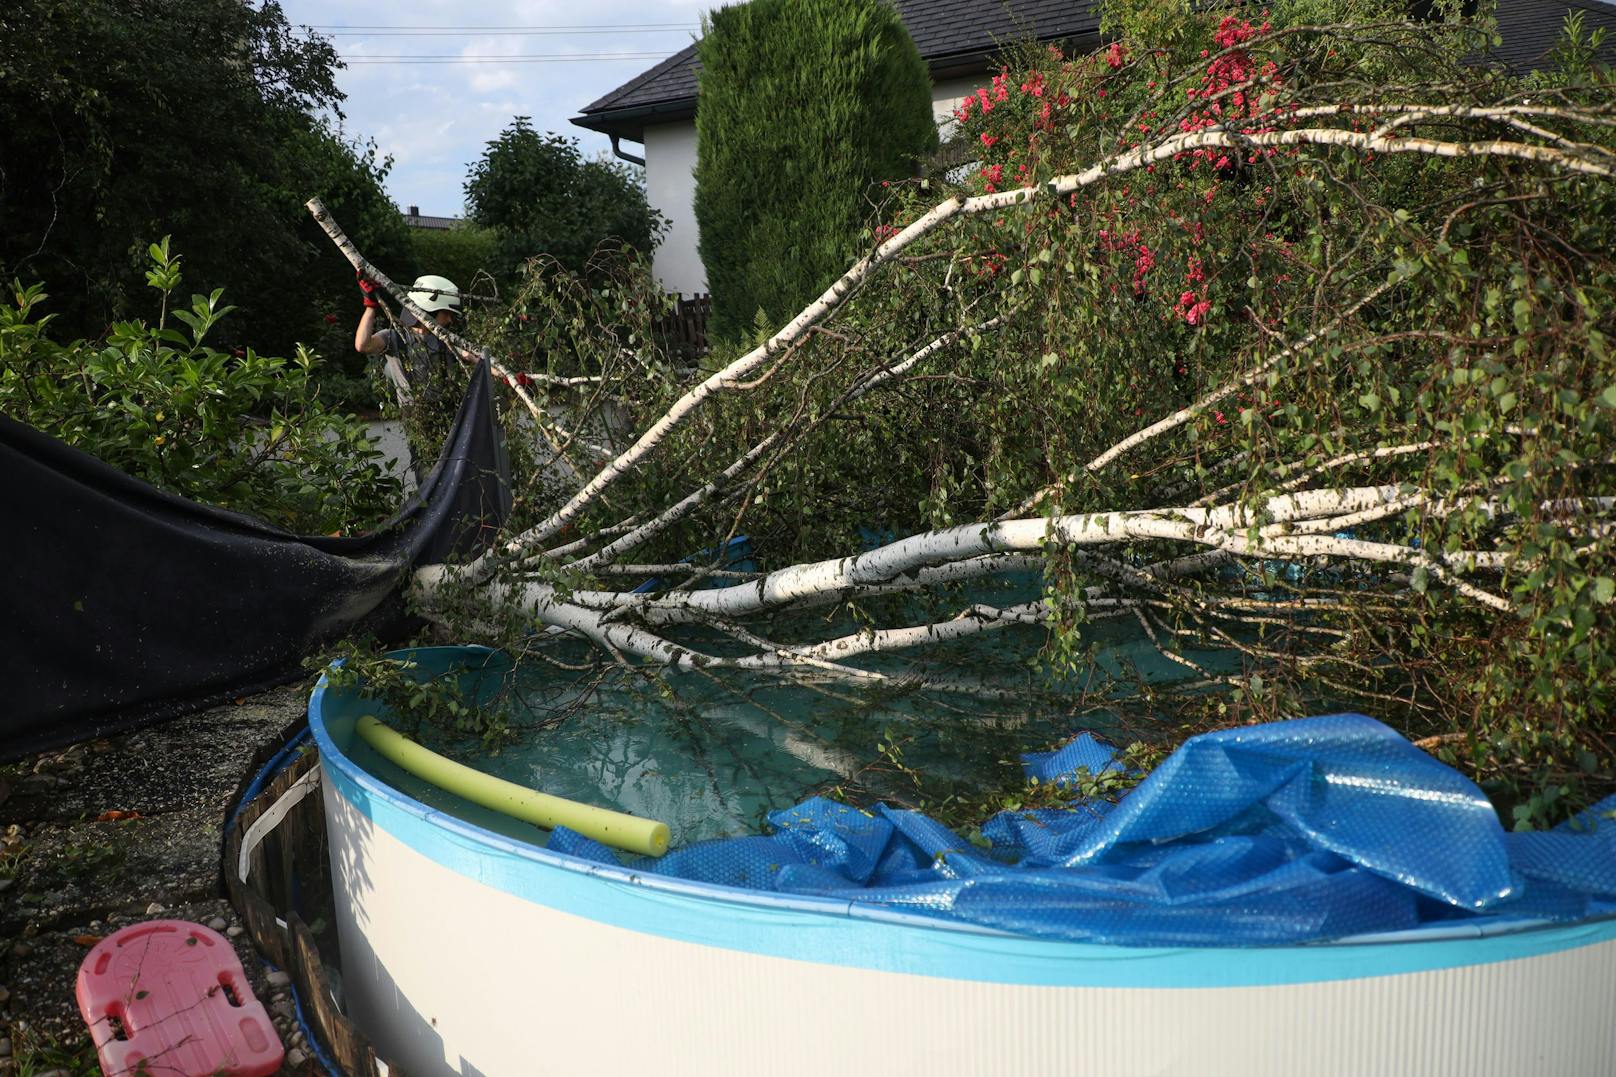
[(112, 832)]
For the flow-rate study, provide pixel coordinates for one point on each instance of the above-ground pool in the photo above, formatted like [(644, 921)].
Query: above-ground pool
[(466, 950)]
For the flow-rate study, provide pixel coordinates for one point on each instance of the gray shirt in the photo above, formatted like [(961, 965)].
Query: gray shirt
[(422, 355)]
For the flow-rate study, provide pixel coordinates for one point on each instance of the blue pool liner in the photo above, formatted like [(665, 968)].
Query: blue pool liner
[(1287, 832)]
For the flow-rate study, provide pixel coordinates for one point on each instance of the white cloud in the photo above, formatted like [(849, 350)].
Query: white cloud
[(493, 80), (435, 119)]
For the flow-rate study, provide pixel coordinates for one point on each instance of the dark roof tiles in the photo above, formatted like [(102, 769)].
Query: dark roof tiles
[(944, 28), (418, 220), (1531, 29), (670, 80)]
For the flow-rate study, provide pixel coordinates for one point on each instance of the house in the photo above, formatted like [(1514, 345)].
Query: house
[(957, 39), (414, 219)]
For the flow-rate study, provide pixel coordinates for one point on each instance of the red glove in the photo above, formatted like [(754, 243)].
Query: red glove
[(369, 290)]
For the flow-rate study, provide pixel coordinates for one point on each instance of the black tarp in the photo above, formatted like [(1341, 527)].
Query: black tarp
[(122, 605)]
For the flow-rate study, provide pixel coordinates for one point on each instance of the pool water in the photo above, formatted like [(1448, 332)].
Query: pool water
[(712, 753)]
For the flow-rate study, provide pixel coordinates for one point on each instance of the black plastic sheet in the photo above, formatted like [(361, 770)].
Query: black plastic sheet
[(122, 605)]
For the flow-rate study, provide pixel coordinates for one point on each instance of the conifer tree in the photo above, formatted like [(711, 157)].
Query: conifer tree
[(805, 105)]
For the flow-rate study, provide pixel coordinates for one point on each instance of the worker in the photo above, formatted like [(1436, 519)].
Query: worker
[(414, 359)]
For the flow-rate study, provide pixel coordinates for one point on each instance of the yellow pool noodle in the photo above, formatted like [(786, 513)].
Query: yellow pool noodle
[(628, 832)]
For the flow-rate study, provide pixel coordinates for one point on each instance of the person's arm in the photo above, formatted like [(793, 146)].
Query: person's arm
[(366, 340)]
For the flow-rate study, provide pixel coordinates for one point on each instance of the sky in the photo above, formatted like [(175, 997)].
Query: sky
[(436, 110)]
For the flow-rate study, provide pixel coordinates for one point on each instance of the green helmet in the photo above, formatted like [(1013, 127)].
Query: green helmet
[(433, 293)]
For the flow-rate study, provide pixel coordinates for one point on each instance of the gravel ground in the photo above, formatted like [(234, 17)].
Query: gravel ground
[(113, 832)]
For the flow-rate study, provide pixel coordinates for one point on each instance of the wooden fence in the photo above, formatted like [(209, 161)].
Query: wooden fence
[(685, 328)]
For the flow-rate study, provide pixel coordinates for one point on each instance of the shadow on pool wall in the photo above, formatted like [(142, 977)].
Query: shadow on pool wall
[(459, 942)]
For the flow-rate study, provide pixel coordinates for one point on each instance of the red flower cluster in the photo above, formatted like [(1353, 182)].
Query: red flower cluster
[(1192, 308), (991, 264), (1236, 89), (1143, 263), (1226, 80), (984, 98), (1144, 259)]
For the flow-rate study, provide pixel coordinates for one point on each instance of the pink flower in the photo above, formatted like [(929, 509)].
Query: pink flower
[(989, 140), (1114, 55), (1192, 309), (1144, 261)]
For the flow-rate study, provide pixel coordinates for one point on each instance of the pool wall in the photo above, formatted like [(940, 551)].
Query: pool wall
[(465, 952)]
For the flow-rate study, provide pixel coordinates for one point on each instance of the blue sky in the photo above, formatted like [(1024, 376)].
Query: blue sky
[(434, 118)]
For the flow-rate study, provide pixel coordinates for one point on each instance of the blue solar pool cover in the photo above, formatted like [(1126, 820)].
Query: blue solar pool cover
[(1298, 831)]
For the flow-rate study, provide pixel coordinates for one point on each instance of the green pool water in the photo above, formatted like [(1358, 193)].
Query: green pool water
[(711, 754)]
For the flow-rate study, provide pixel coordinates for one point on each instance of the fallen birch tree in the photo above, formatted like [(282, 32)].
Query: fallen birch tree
[(1294, 349)]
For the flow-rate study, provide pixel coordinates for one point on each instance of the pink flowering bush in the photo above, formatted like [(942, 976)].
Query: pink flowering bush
[(1409, 317)]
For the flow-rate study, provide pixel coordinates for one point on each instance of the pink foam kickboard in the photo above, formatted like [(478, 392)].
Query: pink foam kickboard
[(170, 997)]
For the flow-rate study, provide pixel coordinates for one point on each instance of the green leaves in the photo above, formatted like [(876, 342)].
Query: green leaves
[(202, 316), (164, 274), (247, 432), (538, 195), (1604, 589)]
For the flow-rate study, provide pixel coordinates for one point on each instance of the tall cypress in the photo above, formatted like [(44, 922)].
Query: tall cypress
[(804, 106)]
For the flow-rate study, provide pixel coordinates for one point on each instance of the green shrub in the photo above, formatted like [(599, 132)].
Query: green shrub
[(805, 105), (462, 254), (239, 430), (541, 196)]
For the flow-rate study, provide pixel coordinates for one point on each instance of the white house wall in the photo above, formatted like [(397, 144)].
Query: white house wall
[(670, 186)]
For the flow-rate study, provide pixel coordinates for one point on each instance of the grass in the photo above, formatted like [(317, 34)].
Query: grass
[(35, 1053)]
